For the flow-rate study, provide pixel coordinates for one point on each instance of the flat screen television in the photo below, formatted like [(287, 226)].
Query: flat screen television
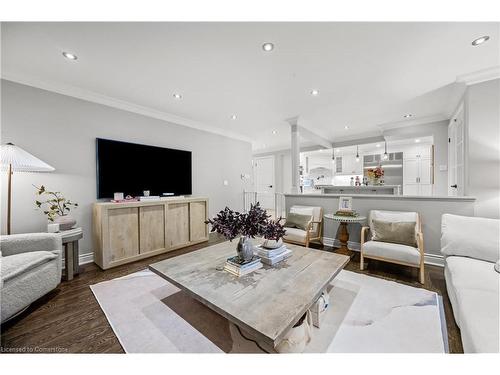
[(131, 168)]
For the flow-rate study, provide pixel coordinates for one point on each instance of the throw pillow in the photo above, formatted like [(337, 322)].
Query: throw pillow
[(395, 232), (297, 221)]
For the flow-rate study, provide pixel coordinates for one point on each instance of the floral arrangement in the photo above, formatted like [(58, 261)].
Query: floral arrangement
[(54, 204), (256, 222), (375, 173)]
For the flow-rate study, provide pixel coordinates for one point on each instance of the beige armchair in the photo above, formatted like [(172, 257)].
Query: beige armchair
[(314, 229), (393, 252)]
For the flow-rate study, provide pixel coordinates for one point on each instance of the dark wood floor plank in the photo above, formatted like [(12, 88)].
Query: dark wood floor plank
[(69, 319)]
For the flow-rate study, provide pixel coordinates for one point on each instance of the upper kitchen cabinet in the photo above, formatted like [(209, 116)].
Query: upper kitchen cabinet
[(417, 152), (349, 165)]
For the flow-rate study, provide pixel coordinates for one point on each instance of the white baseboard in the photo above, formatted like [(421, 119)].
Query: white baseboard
[(83, 259), (433, 259)]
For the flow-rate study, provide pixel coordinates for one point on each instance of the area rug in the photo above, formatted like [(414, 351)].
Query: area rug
[(366, 315)]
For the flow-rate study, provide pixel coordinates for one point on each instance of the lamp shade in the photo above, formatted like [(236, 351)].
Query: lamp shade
[(20, 160)]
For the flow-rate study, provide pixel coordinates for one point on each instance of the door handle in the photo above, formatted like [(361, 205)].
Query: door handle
[(454, 186), (270, 186)]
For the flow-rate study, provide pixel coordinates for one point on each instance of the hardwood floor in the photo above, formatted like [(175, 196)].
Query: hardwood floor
[(69, 319)]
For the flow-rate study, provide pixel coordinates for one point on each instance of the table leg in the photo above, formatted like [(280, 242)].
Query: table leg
[(69, 260), (76, 258), (344, 239)]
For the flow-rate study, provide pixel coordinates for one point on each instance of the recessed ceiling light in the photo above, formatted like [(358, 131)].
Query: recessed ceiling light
[(268, 47), (234, 117), (275, 132), (346, 127), (417, 140), (70, 56), (377, 145), (480, 40), (177, 96), (314, 92), (408, 115)]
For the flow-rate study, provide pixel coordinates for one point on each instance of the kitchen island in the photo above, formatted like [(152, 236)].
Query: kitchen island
[(363, 189)]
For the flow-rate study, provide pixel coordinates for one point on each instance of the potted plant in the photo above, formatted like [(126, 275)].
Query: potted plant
[(256, 222), (56, 207), (273, 234)]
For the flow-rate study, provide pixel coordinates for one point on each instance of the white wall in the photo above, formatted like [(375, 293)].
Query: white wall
[(61, 131), (483, 144)]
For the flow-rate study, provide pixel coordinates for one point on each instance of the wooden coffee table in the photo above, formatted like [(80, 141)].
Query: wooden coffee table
[(265, 303)]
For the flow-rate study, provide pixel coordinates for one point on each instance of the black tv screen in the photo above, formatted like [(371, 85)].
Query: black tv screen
[(131, 168)]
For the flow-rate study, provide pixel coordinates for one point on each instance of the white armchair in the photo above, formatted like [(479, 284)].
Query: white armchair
[(30, 268), (406, 255), (314, 230)]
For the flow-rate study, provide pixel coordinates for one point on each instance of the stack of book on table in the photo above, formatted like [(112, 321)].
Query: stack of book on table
[(273, 256), (239, 267), (350, 213)]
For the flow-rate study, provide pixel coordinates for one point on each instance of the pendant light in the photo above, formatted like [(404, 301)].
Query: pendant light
[(357, 154), (386, 156)]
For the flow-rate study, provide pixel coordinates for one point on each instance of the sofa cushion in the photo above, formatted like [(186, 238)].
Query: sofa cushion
[(315, 212), (473, 237), (473, 288), (397, 252), (295, 234), (14, 265)]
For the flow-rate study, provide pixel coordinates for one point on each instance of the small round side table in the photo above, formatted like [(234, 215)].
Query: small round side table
[(71, 254), (344, 233)]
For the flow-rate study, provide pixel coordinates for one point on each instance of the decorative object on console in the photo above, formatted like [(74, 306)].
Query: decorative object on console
[(256, 222), (345, 204), (56, 207), (15, 159), (118, 196)]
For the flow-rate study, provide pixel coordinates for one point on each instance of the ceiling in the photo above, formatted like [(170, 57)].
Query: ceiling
[(368, 74)]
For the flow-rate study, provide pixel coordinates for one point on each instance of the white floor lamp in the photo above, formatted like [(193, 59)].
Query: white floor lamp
[(15, 159)]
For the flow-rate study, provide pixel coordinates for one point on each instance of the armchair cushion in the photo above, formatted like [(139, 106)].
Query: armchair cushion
[(393, 216), (315, 212), (392, 251), (473, 237), (295, 235), (395, 232), (299, 221), (27, 242), (13, 266)]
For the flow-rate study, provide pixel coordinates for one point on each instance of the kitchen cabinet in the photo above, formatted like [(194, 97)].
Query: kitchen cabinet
[(417, 170), (347, 165)]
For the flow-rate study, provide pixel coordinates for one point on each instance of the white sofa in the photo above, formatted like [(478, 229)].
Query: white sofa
[(30, 268), (471, 248)]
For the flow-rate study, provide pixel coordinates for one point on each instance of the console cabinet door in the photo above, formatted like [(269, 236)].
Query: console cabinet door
[(152, 228), (197, 217), (177, 224), (123, 232)]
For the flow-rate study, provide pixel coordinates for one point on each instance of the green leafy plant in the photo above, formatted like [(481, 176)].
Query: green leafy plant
[(53, 204)]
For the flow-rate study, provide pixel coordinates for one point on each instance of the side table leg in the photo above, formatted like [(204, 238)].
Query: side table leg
[(69, 260), (76, 258)]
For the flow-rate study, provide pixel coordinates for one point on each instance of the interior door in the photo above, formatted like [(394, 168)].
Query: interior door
[(456, 155), (264, 181)]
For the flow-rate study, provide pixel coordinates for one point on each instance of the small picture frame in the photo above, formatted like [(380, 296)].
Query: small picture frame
[(345, 204)]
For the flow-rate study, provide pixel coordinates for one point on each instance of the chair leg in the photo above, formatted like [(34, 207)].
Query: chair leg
[(361, 261), (422, 275)]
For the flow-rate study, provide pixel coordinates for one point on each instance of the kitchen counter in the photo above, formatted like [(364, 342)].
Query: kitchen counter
[(370, 189)]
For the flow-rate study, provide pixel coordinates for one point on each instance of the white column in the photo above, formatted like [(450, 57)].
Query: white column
[(295, 159)]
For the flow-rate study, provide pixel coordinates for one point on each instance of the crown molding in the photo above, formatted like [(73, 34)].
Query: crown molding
[(412, 122), (109, 101), (480, 76)]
